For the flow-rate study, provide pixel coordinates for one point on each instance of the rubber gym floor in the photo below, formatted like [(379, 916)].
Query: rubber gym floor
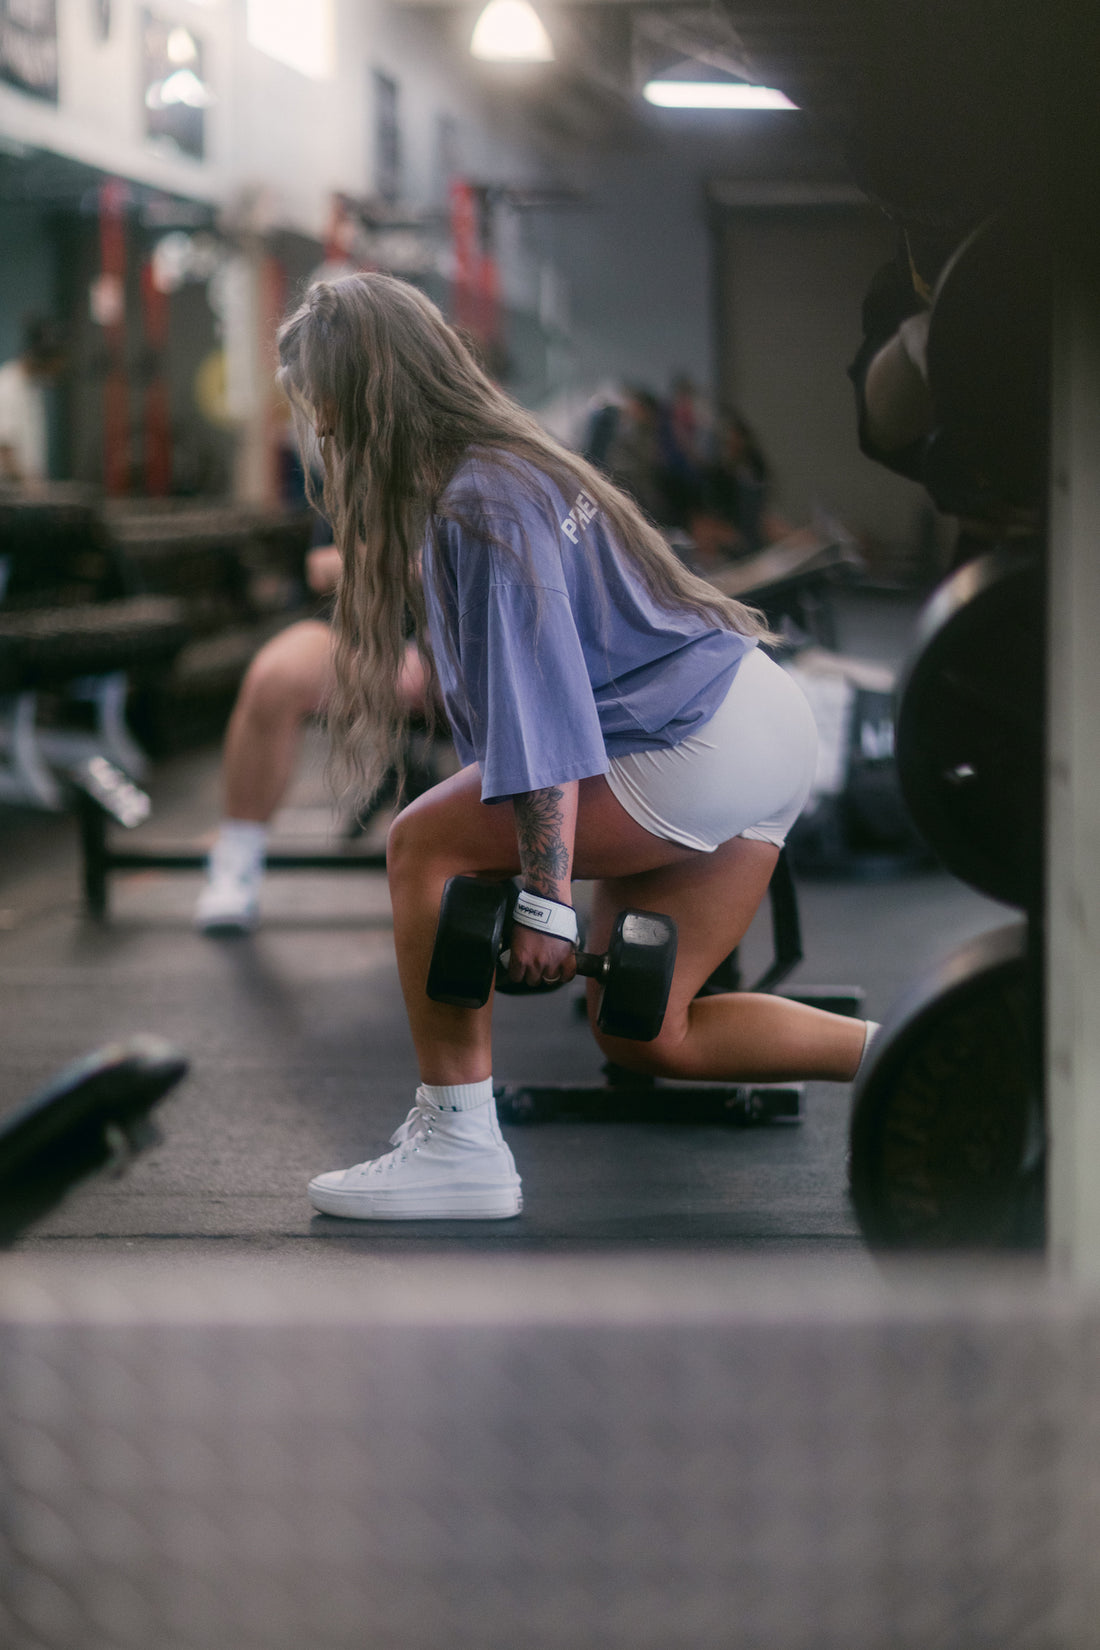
[(300, 1060)]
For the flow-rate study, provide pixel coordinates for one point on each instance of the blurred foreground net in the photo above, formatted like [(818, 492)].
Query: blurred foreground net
[(534, 1456)]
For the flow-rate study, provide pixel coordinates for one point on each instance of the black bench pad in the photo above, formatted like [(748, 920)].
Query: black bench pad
[(48, 646)]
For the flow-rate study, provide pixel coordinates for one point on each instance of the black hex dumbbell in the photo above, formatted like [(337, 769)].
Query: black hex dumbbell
[(475, 920)]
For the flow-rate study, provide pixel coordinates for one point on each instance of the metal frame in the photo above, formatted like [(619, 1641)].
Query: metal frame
[(105, 797)]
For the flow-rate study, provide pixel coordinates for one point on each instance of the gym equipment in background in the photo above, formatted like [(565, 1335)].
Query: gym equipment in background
[(74, 632), (947, 1136), (947, 1127), (793, 582), (969, 735), (948, 1122), (90, 1116), (988, 359), (104, 795), (855, 822)]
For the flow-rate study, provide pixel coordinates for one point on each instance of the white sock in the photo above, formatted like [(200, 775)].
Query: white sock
[(458, 1096), (873, 1027), (248, 837)]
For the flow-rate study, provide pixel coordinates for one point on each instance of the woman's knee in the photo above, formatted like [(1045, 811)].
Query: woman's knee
[(446, 832), (402, 840), (661, 1056), (287, 679), (416, 840)]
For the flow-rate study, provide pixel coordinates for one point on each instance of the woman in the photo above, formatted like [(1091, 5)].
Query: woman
[(617, 718), (288, 682)]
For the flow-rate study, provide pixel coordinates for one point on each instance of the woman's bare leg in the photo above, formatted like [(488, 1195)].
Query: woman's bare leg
[(287, 682), (738, 1036), (445, 832), (285, 685), (713, 898)]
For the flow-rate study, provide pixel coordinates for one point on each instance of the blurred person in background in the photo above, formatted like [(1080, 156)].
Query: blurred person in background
[(686, 433), (736, 517), (287, 684), (24, 413), (623, 440)]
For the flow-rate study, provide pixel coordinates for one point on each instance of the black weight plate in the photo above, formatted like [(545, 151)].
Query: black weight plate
[(72, 1127), (989, 362), (946, 1132), (642, 957), (969, 735), (468, 941)]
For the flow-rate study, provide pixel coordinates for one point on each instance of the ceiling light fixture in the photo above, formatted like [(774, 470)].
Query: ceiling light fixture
[(511, 31), (714, 94), (184, 86), (298, 33)]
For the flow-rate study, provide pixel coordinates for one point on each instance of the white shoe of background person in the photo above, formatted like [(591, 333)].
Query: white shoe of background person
[(449, 1163), (230, 900)]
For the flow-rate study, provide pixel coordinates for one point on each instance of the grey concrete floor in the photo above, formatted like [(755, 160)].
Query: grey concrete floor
[(301, 1061)]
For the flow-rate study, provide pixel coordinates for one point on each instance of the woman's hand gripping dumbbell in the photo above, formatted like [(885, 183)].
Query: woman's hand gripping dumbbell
[(475, 923)]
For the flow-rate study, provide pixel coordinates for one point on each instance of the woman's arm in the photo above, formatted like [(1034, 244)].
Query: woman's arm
[(323, 565), (546, 822)]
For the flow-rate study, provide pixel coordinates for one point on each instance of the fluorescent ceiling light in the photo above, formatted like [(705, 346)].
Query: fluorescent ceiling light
[(714, 94), (181, 47), (511, 31), (184, 86), (299, 33)]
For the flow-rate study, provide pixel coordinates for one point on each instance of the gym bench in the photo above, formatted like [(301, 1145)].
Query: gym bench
[(105, 796)]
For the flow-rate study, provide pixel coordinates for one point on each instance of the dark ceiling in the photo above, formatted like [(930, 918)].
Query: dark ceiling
[(943, 108), (939, 109)]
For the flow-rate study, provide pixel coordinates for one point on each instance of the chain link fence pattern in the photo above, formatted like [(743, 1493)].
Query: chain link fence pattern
[(559, 1455)]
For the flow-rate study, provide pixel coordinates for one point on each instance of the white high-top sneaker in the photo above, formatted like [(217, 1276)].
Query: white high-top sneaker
[(446, 1165), (230, 900)]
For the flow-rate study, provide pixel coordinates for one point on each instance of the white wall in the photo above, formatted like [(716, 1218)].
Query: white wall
[(271, 128), (98, 117), (636, 258), (639, 256)]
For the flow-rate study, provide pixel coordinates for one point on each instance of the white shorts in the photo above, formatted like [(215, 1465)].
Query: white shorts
[(747, 772)]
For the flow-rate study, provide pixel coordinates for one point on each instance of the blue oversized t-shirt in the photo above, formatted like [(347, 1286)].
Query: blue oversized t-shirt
[(552, 655)]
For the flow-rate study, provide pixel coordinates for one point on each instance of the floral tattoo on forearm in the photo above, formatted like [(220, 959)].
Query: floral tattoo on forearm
[(543, 852)]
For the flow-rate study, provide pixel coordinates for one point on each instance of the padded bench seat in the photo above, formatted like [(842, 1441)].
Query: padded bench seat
[(47, 647)]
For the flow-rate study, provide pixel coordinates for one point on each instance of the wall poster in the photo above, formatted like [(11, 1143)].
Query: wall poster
[(28, 46), (176, 93)]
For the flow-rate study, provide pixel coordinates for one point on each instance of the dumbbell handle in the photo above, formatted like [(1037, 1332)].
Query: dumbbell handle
[(590, 963), (594, 965)]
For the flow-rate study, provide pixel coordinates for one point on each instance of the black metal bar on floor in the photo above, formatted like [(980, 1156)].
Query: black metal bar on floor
[(166, 858)]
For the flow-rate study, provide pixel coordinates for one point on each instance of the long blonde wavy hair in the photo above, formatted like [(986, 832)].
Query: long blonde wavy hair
[(396, 398)]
